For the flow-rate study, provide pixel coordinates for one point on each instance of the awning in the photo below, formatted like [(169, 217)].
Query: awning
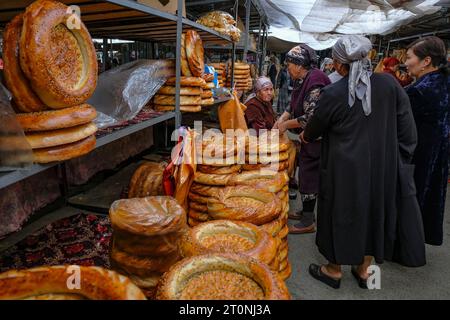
[(319, 23)]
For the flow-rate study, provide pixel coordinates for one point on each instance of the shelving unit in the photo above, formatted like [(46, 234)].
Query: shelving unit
[(127, 20)]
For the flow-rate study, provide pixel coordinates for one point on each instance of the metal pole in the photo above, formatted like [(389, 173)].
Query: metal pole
[(248, 8), (105, 53), (236, 15), (178, 64), (258, 49)]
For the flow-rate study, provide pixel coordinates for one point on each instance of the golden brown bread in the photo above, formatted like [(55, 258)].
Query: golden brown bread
[(206, 94), (208, 86), (195, 53), (184, 91), (286, 272), (204, 190), (219, 170), (47, 139), (193, 222), (64, 152), (24, 97), (185, 71), (246, 204), (95, 283), (197, 206), (208, 77), (143, 266), (274, 227), (167, 100), (199, 216), (187, 81), (280, 166), (149, 216), (150, 246), (207, 102), (60, 62), (147, 180), (222, 236), (56, 119), (161, 108), (174, 282)]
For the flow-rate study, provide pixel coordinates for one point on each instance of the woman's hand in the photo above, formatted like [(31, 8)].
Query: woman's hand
[(282, 127), (302, 138)]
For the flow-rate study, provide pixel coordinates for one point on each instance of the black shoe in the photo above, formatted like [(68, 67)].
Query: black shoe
[(362, 283), (316, 273)]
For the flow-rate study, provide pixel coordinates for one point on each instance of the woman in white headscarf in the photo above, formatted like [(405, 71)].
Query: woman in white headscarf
[(366, 206)]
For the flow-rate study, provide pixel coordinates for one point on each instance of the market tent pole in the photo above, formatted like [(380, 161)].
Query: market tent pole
[(247, 28), (178, 64), (258, 49), (236, 16), (105, 53)]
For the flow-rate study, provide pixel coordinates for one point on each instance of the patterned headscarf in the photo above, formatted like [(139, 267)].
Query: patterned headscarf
[(302, 55), (262, 82), (353, 50), (325, 62)]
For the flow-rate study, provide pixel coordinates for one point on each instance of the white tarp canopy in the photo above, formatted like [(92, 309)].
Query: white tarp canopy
[(320, 23)]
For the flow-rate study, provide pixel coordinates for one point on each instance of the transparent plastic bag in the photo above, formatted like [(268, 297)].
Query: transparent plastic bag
[(15, 151), (122, 92)]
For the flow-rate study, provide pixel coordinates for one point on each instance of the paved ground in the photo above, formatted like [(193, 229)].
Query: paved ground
[(429, 282)]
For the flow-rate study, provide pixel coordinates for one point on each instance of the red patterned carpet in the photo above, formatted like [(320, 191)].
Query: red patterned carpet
[(81, 239)]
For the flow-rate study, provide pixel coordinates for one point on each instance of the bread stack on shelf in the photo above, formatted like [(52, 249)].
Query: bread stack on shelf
[(51, 70), (145, 238), (147, 180), (221, 277), (242, 77), (221, 70), (207, 94), (223, 23), (192, 82), (190, 95)]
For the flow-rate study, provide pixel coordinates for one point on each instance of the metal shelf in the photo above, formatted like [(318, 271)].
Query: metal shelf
[(8, 178)]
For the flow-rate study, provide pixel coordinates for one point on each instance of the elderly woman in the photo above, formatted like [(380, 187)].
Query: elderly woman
[(301, 62), (259, 113), (367, 206), (429, 96), (327, 66)]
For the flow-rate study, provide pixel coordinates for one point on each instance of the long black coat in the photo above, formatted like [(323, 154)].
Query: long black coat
[(367, 203)]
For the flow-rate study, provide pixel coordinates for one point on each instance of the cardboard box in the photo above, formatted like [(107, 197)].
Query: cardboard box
[(169, 6)]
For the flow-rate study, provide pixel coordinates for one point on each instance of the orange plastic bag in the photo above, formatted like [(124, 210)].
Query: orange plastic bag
[(231, 115)]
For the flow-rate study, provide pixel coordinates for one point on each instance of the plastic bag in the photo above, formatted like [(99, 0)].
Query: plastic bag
[(231, 115), (15, 151), (149, 216), (122, 92)]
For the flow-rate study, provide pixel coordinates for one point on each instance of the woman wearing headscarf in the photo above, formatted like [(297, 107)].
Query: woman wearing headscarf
[(367, 206), (302, 61), (429, 96), (391, 66), (259, 113), (327, 66)]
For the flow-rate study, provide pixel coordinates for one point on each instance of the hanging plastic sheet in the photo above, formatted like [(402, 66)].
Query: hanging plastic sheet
[(319, 22), (122, 92), (15, 151)]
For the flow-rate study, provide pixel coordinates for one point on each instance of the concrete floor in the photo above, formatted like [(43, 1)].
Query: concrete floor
[(397, 282)]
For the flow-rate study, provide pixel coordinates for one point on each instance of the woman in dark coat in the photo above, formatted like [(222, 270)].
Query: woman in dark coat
[(367, 205), (301, 61), (429, 96)]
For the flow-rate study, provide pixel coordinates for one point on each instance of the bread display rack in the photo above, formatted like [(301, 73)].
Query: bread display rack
[(125, 20)]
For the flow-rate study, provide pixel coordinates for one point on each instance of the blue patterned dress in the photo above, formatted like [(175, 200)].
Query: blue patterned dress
[(429, 97)]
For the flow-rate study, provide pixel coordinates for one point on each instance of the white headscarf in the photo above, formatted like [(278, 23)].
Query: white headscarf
[(353, 50)]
